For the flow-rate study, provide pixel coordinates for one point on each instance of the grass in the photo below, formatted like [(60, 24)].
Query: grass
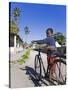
[(24, 57)]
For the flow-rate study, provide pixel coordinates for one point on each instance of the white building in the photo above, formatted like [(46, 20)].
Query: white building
[(57, 44), (15, 43)]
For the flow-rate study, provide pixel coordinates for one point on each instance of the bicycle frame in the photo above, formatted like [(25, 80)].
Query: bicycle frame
[(46, 72), (39, 55)]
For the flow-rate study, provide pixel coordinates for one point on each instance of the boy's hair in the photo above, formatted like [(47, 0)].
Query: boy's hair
[(49, 29)]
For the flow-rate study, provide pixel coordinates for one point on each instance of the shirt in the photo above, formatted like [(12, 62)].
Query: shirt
[(49, 41)]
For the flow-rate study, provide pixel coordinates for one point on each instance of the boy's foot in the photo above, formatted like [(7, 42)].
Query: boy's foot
[(53, 76)]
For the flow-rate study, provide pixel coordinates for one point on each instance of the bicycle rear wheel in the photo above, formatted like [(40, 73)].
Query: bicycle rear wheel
[(38, 66), (60, 71)]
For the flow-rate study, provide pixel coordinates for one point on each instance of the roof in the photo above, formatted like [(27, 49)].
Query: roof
[(16, 35), (57, 44)]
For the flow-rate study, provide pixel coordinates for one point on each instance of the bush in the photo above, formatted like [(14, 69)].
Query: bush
[(24, 57)]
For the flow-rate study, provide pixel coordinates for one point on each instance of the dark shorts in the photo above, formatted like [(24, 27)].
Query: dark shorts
[(51, 54), (55, 52)]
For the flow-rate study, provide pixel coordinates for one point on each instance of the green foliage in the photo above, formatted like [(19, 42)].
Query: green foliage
[(13, 23), (13, 27), (59, 37), (16, 13), (24, 57)]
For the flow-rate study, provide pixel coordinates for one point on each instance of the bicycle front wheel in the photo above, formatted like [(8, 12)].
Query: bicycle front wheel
[(38, 66)]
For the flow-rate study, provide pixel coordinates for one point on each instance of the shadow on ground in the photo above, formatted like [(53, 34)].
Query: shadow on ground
[(33, 76)]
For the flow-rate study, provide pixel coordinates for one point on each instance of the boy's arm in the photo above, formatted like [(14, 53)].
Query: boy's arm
[(42, 45), (39, 41), (51, 48)]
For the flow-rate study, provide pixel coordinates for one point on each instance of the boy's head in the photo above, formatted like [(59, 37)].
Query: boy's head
[(49, 32)]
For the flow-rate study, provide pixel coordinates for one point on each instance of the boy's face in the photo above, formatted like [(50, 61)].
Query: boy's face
[(49, 34)]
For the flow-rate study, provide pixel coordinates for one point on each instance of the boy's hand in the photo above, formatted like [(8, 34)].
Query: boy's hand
[(42, 45), (51, 48)]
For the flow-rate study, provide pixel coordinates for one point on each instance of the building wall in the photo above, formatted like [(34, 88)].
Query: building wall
[(14, 45)]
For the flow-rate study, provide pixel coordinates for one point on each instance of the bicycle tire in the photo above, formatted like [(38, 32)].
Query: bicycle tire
[(38, 67), (60, 77)]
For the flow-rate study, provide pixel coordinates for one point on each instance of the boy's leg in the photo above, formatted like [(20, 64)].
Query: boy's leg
[(52, 69), (49, 60)]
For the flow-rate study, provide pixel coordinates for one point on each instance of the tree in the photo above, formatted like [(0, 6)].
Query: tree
[(13, 22), (16, 14), (59, 37), (26, 30), (13, 27)]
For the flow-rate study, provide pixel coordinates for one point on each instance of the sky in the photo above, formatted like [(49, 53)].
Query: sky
[(39, 17)]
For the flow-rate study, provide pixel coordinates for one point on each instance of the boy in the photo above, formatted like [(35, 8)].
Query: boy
[(49, 43)]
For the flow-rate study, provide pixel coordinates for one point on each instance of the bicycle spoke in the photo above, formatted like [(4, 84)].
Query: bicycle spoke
[(59, 73), (38, 66)]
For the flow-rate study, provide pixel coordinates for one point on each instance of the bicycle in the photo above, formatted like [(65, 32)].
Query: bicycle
[(60, 75)]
